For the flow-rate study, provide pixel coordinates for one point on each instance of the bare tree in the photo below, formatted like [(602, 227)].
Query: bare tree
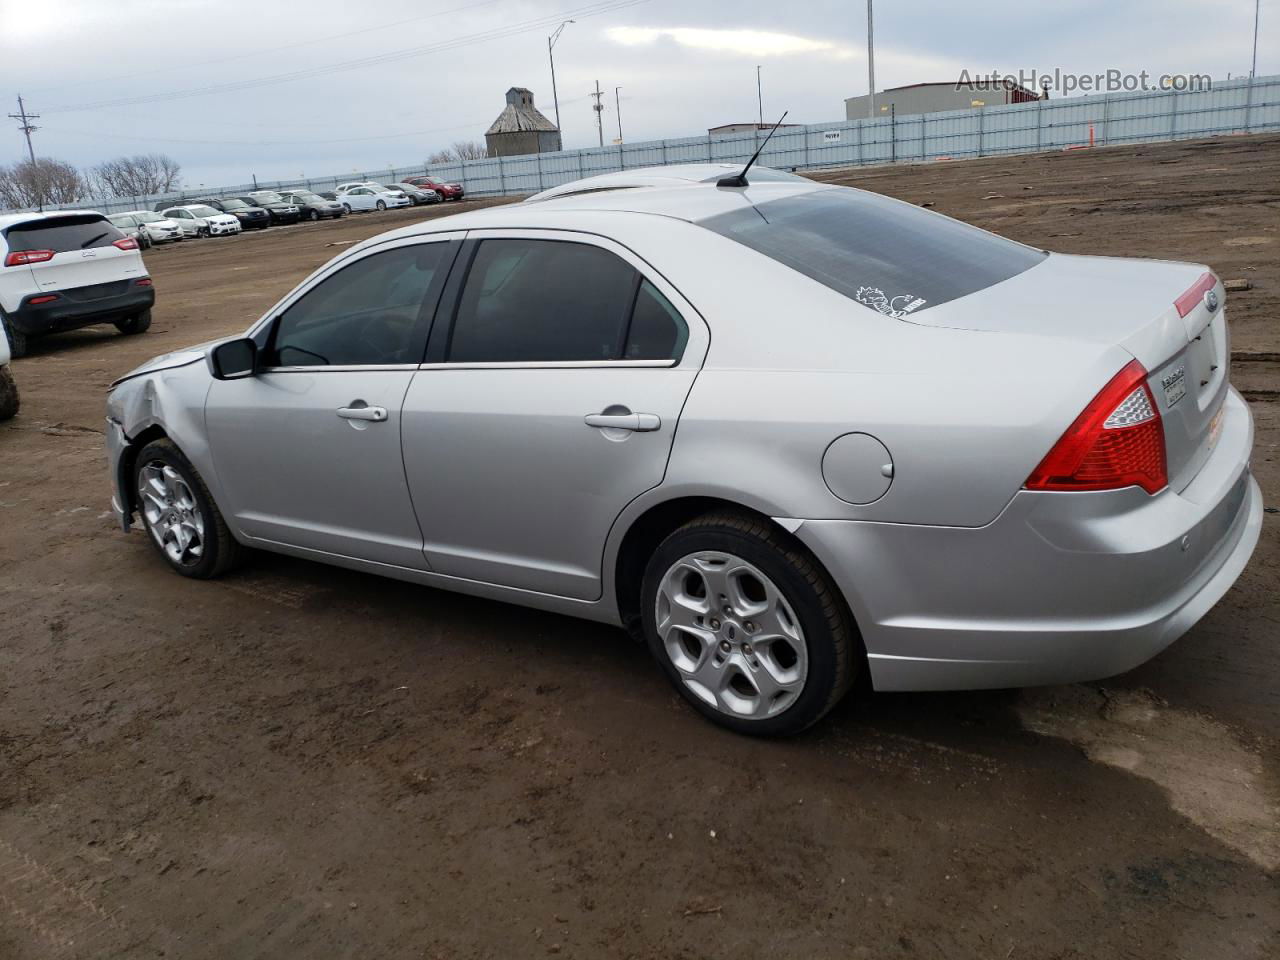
[(28, 184), (461, 150), (139, 175)]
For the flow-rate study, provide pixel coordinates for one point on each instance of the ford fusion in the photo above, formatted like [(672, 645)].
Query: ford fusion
[(788, 433)]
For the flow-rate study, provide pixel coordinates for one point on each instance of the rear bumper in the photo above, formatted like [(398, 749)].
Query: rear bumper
[(69, 314), (1060, 588)]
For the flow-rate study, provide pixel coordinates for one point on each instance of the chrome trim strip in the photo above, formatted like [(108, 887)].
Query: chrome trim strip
[(548, 365), (341, 368)]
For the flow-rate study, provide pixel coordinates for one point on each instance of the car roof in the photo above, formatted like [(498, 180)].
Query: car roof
[(673, 175), (8, 220)]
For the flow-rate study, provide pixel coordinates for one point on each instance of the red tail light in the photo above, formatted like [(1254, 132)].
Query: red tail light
[(1118, 441), (126, 243), (19, 257), (45, 299), (143, 281), (1187, 302)]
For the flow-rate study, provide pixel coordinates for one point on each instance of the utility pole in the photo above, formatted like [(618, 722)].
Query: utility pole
[(551, 44), (598, 107), (871, 64), (759, 102), (24, 119), (1253, 71), (617, 106)]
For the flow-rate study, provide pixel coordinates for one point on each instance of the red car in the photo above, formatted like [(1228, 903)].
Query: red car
[(447, 191)]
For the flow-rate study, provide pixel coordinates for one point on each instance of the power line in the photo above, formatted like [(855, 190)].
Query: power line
[(277, 47), (595, 9)]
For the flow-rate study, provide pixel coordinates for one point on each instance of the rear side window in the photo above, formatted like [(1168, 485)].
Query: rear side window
[(892, 257), (63, 234), (555, 301)]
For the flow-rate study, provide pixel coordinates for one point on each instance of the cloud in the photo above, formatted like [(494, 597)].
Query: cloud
[(754, 43)]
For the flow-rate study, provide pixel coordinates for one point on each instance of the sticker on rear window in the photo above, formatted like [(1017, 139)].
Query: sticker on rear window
[(1175, 385), (878, 300)]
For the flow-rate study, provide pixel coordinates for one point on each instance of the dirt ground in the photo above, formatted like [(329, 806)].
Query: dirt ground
[(302, 762)]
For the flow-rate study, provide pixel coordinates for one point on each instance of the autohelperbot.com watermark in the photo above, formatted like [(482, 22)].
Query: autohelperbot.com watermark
[(1063, 83)]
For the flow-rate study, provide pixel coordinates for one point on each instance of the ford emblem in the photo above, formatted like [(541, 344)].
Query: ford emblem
[(1211, 300)]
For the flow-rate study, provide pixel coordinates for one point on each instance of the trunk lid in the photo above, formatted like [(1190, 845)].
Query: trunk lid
[(83, 248), (1129, 303)]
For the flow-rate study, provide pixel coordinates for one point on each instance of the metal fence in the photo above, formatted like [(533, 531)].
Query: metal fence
[(1231, 107)]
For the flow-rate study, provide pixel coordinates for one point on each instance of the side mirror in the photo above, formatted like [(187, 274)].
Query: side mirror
[(235, 359)]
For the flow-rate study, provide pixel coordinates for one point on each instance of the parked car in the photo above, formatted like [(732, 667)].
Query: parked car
[(419, 196), (199, 220), (9, 399), (328, 194), (313, 206), (371, 198), (961, 462), (447, 191), (129, 227), (68, 269), (279, 211), (250, 217), (158, 229)]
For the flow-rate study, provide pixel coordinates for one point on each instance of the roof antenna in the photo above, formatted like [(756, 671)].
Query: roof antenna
[(740, 180)]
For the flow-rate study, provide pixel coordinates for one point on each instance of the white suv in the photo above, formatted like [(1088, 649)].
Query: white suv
[(8, 389), (69, 269)]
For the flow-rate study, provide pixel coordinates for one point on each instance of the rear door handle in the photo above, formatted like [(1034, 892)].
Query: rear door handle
[(636, 422), (376, 414)]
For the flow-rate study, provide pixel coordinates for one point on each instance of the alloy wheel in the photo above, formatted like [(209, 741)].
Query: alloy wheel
[(731, 634), (172, 513)]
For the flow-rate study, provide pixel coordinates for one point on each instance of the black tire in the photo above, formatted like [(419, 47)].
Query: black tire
[(202, 232), (380, 205), (313, 215), (17, 339), (833, 645), (219, 551), (346, 208), (9, 400), (139, 323)]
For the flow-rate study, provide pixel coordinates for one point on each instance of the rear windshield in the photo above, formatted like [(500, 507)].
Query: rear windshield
[(63, 234), (893, 257)]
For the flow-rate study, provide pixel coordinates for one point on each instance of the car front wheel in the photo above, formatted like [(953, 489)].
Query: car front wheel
[(178, 512), (748, 626), (381, 205), (346, 208), (313, 215), (9, 401)]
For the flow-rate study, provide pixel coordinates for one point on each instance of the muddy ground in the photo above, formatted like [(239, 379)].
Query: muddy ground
[(302, 762)]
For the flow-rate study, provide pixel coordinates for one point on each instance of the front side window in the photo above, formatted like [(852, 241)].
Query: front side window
[(892, 257), (370, 312), (528, 301)]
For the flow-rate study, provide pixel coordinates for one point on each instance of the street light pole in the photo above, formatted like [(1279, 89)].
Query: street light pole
[(551, 45), (759, 101), (1253, 71), (617, 106), (871, 65)]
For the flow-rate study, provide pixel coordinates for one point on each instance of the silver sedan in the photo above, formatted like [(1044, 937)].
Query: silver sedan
[(786, 433)]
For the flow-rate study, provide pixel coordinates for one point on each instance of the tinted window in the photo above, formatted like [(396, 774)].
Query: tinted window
[(367, 313), (535, 300), (890, 256), (63, 234), (657, 332)]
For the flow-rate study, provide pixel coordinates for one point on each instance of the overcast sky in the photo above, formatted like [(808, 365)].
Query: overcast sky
[(437, 70)]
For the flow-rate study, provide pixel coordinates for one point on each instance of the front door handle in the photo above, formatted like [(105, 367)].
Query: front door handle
[(635, 422), (375, 414)]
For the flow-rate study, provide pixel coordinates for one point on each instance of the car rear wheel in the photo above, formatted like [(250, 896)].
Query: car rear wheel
[(139, 323), (17, 339), (747, 625), (9, 401), (178, 512)]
